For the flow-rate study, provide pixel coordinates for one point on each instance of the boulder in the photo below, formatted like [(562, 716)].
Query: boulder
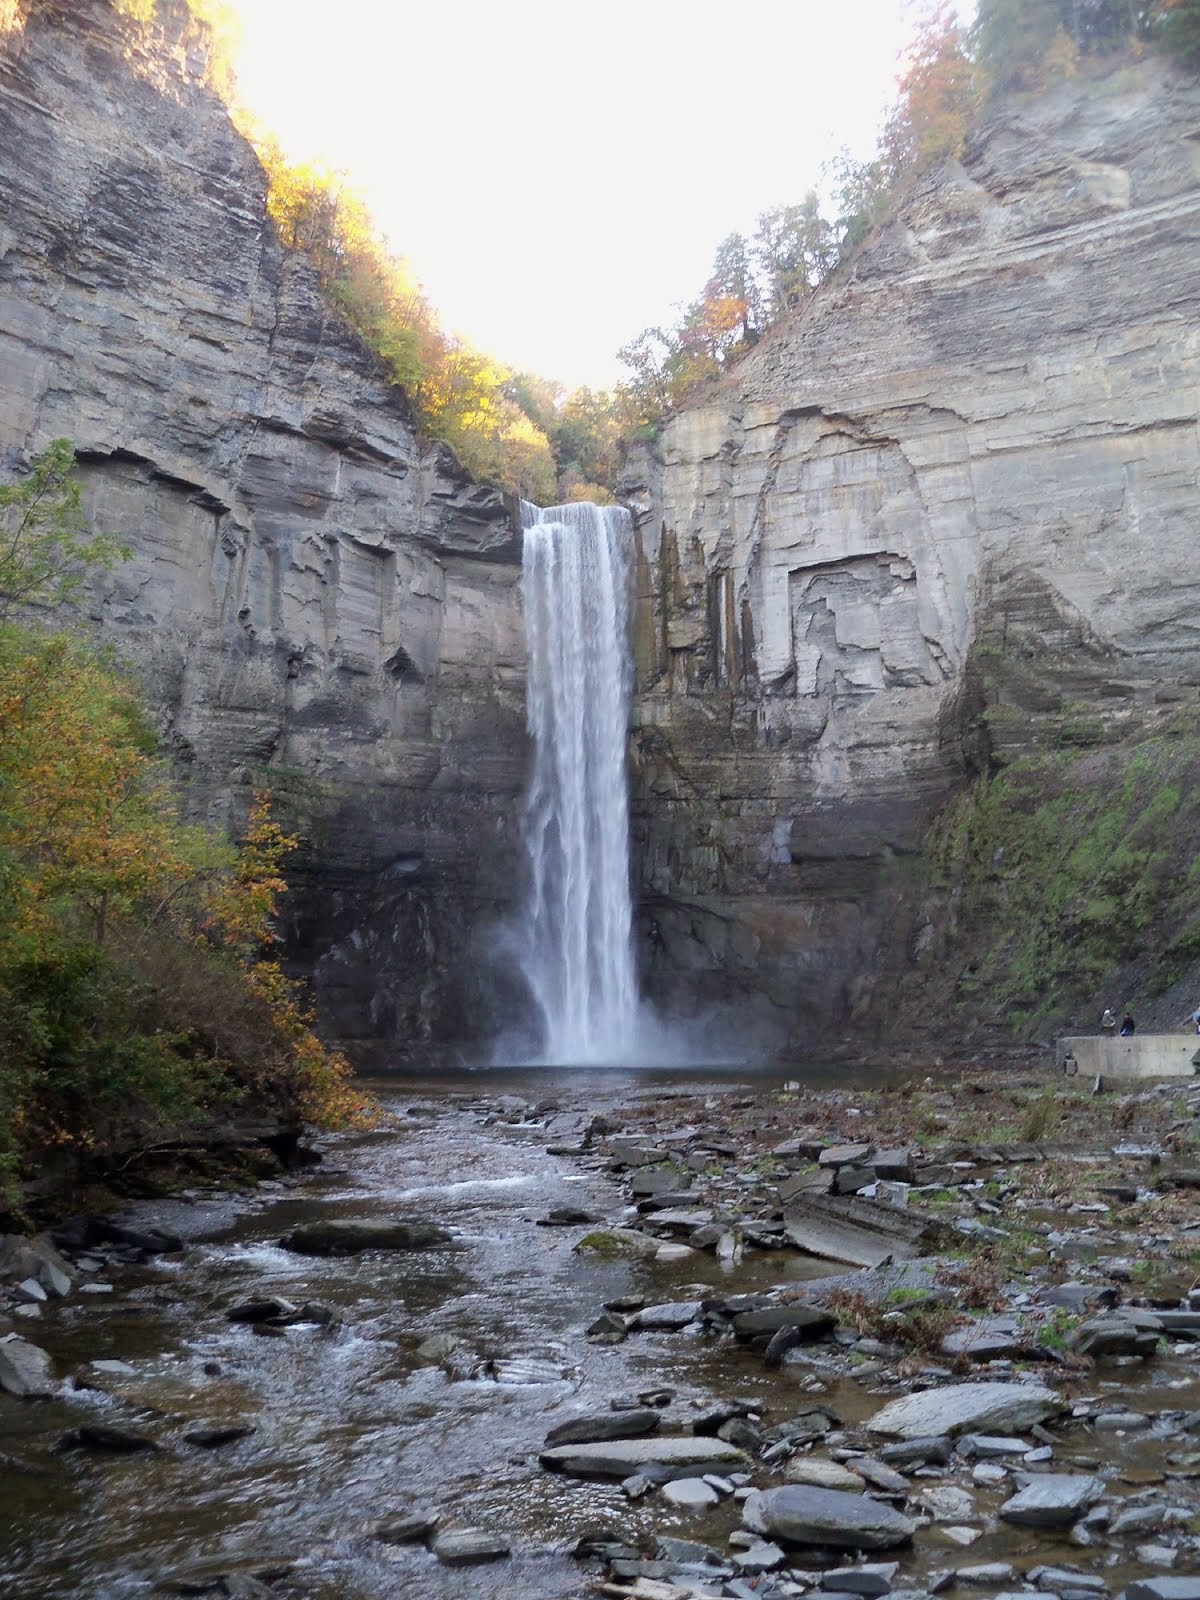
[(693, 1494), (958, 1407), (669, 1318), (1120, 1334), (801, 1514), (1053, 1500), (469, 1547), (340, 1237), (618, 1242), (25, 1369)]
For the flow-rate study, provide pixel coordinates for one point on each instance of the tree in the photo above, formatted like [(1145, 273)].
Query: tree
[(939, 96), (45, 543), (793, 249)]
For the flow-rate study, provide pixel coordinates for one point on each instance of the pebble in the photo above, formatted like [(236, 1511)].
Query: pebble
[(692, 1493)]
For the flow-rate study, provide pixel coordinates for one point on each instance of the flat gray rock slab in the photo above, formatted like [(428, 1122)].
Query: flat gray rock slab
[(25, 1370), (960, 1407), (862, 1232), (1164, 1589), (1053, 1500), (801, 1514), (667, 1318), (622, 1458), (469, 1547), (812, 1321)]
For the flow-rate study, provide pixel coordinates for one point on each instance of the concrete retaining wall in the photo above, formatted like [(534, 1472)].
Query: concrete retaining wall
[(1142, 1055)]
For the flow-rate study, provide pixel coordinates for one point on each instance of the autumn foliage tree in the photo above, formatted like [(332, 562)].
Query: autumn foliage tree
[(138, 988)]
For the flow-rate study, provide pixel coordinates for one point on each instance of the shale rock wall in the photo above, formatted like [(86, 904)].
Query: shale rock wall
[(315, 601), (947, 513)]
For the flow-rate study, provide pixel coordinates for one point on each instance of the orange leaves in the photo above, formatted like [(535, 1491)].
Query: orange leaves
[(940, 95)]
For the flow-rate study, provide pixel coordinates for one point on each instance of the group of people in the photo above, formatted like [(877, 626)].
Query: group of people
[(1108, 1023)]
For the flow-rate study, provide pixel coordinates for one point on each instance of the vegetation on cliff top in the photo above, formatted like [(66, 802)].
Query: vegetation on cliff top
[(138, 992), (530, 436), (953, 76)]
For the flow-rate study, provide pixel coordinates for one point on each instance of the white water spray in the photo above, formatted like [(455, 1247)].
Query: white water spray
[(577, 950)]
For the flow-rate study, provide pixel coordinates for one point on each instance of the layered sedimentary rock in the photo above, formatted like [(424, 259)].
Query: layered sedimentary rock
[(314, 601), (947, 511)]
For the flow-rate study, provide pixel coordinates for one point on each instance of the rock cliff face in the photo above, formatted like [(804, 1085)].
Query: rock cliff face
[(310, 591), (949, 512)]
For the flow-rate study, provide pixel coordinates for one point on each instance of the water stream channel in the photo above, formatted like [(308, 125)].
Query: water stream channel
[(351, 1424)]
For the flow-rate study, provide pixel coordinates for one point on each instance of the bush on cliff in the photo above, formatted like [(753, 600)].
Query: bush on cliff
[(137, 989)]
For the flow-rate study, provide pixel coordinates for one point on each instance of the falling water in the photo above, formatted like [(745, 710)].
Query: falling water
[(577, 950)]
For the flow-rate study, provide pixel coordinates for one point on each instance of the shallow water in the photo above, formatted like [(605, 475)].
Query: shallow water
[(351, 1427)]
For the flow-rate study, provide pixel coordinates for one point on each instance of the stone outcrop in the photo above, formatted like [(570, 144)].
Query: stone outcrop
[(315, 600), (945, 513)]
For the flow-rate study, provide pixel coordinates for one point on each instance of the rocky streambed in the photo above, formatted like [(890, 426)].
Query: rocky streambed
[(560, 1335)]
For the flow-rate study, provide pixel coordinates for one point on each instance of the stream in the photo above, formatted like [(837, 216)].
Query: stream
[(352, 1425)]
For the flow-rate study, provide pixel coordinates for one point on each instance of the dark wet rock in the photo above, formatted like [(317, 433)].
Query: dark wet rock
[(688, 1223), (651, 1397), (407, 1528), (598, 1426), (927, 1450), (150, 1241), (712, 1420), (26, 1370), (469, 1547), (798, 1514), (1183, 1588), (1124, 1333), (667, 1318), (622, 1459), (568, 1217), (215, 1438), (236, 1580), (957, 1407), (808, 1322), (95, 1436), (608, 1325), (272, 1308), (1052, 1500), (342, 1237)]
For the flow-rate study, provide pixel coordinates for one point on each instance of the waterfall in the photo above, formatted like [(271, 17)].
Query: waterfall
[(576, 948)]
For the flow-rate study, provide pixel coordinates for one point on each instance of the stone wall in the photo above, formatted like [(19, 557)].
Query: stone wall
[(962, 481), (315, 601)]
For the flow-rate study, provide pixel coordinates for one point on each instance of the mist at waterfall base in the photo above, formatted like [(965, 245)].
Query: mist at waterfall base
[(573, 942)]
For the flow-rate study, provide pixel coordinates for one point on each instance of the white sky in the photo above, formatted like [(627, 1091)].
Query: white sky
[(560, 173)]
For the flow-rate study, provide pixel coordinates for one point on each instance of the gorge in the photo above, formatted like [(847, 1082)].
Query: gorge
[(940, 522)]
